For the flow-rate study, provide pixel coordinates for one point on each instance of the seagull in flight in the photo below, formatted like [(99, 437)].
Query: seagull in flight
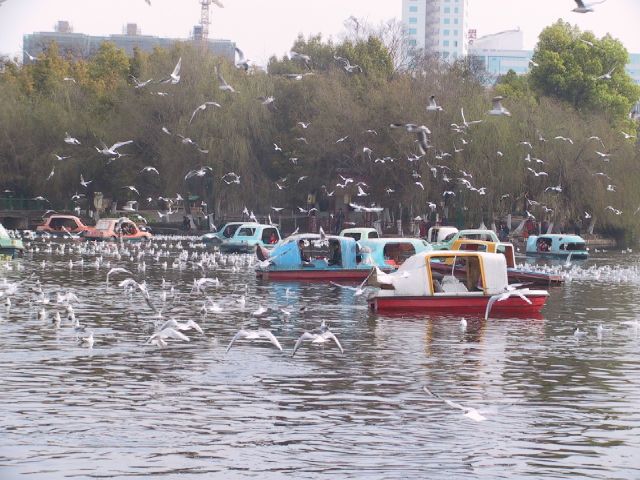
[(606, 76), (70, 140), (433, 106), (583, 7), (174, 78), (202, 108), (59, 158), (255, 335), (224, 86), (537, 174), (160, 338), (471, 413), (112, 150), (306, 59), (317, 336), (83, 182), (150, 169), (132, 189), (498, 109)]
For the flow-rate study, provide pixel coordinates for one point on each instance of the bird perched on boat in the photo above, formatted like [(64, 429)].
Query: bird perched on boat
[(498, 109), (261, 333), (582, 7), (320, 335), (174, 77), (433, 106)]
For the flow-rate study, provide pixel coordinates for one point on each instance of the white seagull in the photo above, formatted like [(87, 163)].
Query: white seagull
[(433, 106), (317, 336), (498, 109), (255, 335), (175, 75), (471, 413), (583, 7), (202, 108)]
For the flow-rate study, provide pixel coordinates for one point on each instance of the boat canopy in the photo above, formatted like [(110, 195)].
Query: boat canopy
[(486, 273), (326, 250)]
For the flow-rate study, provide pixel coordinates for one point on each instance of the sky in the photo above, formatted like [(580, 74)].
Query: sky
[(265, 27)]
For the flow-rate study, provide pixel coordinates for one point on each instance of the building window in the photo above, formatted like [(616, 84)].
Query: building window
[(455, 43), (445, 32), (413, 8), (447, 9), (413, 42), (455, 20), (447, 21), (455, 10), (445, 43), (455, 33), (413, 31), (413, 20), (445, 54)]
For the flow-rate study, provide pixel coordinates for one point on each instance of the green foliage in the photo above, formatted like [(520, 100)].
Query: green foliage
[(514, 86), (571, 66), (103, 105)]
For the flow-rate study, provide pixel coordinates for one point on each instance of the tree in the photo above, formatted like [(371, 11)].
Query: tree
[(575, 66)]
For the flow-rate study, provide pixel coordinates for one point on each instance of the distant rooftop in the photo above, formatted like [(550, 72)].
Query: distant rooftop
[(82, 46)]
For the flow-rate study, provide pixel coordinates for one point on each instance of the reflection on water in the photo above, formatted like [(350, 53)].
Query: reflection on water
[(556, 406)]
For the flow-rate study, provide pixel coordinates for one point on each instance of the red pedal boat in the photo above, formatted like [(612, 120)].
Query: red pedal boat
[(417, 287)]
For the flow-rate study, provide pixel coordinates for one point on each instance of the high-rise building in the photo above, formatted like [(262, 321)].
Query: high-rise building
[(437, 26), (81, 46)]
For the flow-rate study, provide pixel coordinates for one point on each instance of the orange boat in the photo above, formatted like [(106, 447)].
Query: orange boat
[(117, 229), (61, 224)]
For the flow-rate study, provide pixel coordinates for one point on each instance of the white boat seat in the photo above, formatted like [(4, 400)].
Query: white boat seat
[(451, 284)]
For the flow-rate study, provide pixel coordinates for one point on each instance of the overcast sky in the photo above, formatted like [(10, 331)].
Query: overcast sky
[(264, 27)]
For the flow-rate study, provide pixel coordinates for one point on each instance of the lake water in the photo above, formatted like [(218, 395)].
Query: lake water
[(556, 406)]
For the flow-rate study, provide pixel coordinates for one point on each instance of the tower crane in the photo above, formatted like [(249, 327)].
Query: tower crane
[(205, 21)]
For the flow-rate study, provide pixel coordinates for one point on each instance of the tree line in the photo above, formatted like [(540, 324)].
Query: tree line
[(313, 119)]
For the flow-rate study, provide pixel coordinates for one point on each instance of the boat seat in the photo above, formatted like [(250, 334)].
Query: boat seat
[(451, 284)]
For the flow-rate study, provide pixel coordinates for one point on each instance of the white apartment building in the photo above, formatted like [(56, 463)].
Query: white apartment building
[(437, 26)]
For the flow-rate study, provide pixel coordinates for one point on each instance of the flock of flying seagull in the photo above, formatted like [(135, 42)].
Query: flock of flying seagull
[(422, 135), (53, 306)]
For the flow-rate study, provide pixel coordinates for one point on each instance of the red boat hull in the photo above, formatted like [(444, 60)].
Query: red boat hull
[(456, 304), (311, 274)]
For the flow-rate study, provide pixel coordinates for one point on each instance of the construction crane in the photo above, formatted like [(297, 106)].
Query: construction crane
[(205, 21)]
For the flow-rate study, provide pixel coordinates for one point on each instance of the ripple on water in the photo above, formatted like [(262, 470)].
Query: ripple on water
[(556, 406)]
